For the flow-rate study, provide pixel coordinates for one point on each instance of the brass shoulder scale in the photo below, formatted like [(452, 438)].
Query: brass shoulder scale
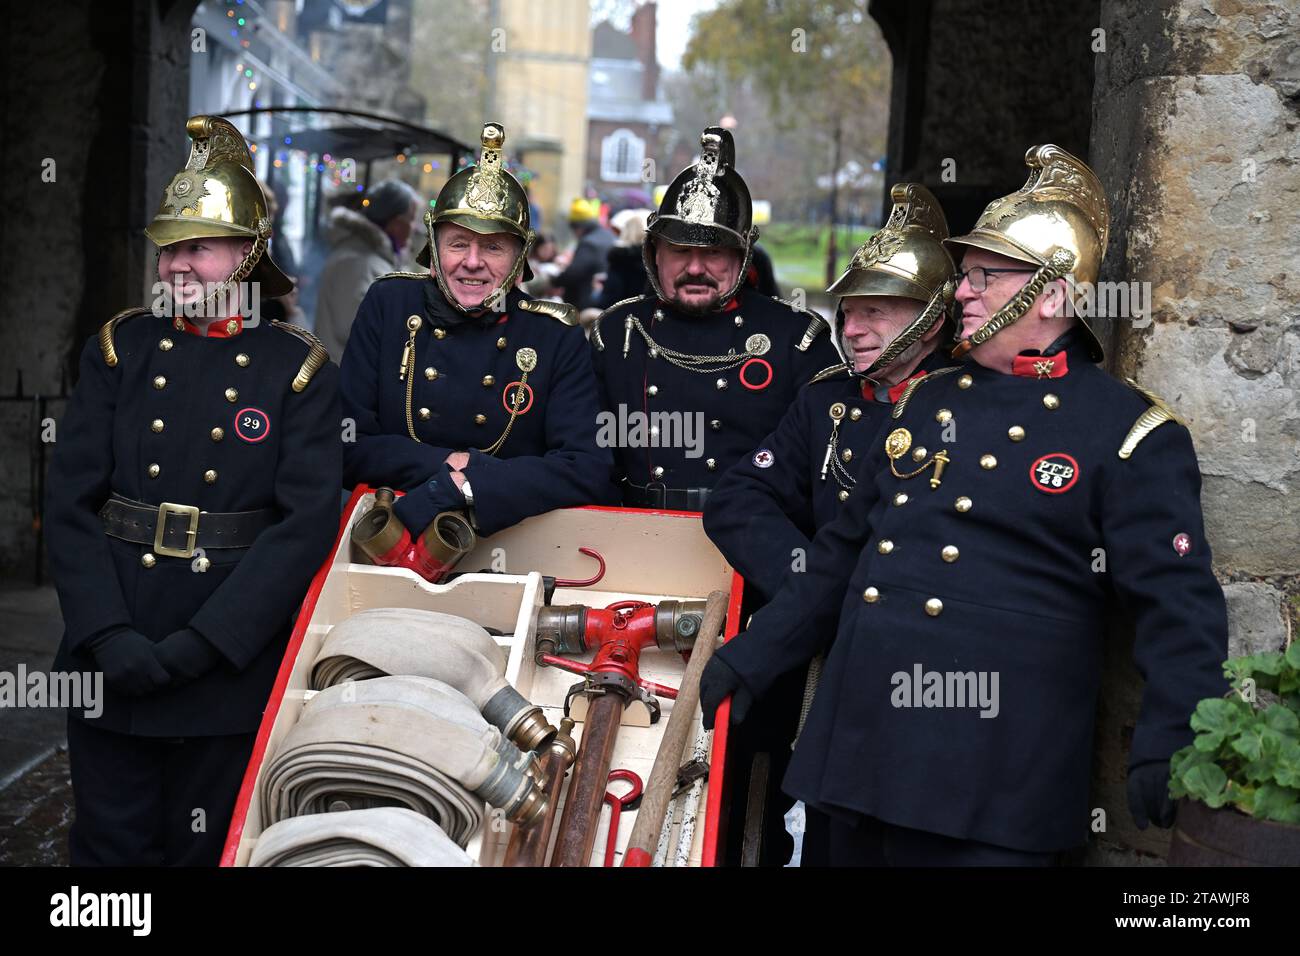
[(317, 355), (1148, 421), (108, 328)]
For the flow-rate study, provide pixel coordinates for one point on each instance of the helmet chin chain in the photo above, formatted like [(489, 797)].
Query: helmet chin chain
[(239, 275), (933, 311), (493, 298), (1058, 266)]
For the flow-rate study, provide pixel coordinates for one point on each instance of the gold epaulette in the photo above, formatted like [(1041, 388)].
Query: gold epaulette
[(916, 383), (108, 328), (404, 275), (596, 340), (816, 324), (830, 372), (316, 357), (560, 311), (1148, 421)]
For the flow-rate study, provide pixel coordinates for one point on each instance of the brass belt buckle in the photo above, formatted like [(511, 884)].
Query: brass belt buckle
[(191, 533)]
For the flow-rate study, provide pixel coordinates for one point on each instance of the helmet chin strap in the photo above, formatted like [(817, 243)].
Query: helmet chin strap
[(1059, 265), (241, 272), (497, 295), (933, 311)]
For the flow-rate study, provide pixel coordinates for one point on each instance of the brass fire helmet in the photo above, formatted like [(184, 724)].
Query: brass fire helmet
[(1058, 221), (708, 204), (216, 195), (904, 258), (486, 199)]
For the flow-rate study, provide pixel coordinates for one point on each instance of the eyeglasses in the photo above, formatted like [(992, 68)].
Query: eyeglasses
[(978, 276)]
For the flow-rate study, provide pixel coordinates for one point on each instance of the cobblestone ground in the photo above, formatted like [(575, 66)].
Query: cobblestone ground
[(35, 814)]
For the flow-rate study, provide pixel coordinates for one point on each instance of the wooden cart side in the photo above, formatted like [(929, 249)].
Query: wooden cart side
[(305, 612)]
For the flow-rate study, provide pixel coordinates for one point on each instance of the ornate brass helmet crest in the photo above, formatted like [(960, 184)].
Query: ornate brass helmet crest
[(1058, 220), (217, 195), (487, 199), (905, 258)]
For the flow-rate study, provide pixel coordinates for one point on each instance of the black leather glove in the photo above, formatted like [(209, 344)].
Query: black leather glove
[(186, 655), (1148, 795), (717, 681), (127, 660)]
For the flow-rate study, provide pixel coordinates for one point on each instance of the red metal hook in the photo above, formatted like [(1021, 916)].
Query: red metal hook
[(588, 582), (617, 805)]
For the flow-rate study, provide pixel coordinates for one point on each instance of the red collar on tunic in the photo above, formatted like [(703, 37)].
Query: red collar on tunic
[(220, 329), (1040, 366)]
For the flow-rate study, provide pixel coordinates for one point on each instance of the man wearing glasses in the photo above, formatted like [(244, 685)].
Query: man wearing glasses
[(1007, 508)]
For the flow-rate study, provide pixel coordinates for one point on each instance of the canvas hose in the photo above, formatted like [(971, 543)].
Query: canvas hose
[(399, 741), (446, 647), (380, 836)]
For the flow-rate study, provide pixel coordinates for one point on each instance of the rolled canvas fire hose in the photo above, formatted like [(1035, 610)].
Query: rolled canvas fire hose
[(431, 644), (380, 836), (399, 741)]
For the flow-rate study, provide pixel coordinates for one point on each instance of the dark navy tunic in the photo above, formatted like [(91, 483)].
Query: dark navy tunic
[(227, 432), (461, 377), (732, 410), (765, 509), (1038, 528)]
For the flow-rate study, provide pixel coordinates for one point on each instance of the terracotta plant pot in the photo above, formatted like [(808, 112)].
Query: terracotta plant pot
[(1228, 837)]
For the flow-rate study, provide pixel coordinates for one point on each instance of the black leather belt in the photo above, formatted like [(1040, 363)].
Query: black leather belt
[(657, 496), (176, 531)]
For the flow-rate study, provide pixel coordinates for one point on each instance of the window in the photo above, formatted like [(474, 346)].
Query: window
[(621, 155)]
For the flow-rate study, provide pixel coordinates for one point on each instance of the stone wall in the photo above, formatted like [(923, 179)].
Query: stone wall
[(101, 90), (1196, 109)]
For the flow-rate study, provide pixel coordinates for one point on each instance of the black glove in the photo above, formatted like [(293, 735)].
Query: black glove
[(418, 507), (127, 659), (186, 655), (717, 681), (1148, 795)]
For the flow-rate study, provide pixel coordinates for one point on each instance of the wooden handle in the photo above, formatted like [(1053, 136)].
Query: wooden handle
[(672, 746)]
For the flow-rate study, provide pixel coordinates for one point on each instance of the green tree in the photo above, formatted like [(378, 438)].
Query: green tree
[(821, 69)]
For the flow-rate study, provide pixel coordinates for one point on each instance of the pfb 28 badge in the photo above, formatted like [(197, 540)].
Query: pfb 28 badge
[(763, 458), (1054, 473)]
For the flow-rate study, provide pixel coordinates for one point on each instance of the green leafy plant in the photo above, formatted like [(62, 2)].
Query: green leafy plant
[(1247, 752)]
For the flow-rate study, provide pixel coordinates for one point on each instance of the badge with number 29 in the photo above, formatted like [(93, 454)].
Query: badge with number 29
[(252, 425)]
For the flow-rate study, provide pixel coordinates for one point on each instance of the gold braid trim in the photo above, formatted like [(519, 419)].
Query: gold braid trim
[(518, 400), (831, 371), (316, 357), (916, 383), (108, 328), (1148, 421)]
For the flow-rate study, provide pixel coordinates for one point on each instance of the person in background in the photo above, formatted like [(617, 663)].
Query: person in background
[(589, 256), (366, 244), (625, 271), (542, 261)]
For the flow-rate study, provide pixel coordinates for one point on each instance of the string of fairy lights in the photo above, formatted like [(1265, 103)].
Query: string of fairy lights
[(286, 157)]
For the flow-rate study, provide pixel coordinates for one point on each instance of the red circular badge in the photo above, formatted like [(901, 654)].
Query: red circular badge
[(252, 424), (506, 398), (1182, 543), (1054, 473), (761, 385)]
